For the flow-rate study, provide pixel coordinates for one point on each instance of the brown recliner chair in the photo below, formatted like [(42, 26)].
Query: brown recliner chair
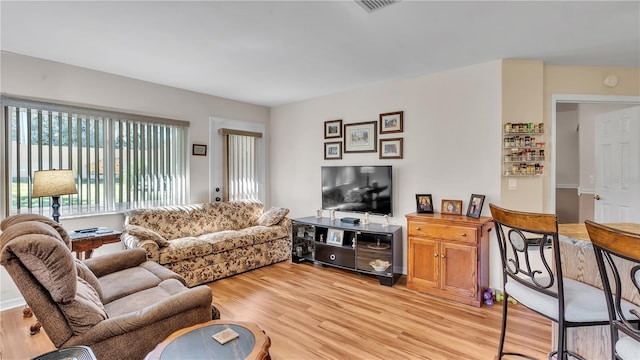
[(120, 305)]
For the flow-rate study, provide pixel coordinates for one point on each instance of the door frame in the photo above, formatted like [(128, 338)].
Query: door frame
[(578, 99)]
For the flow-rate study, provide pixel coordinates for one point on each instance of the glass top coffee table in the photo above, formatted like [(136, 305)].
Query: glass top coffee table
[(195, 342)]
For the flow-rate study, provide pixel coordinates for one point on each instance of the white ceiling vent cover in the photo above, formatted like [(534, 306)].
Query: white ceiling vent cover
[(373, 5)]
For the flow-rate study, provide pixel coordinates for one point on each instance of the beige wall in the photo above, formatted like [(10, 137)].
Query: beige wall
[(452, 141), (522, 103)]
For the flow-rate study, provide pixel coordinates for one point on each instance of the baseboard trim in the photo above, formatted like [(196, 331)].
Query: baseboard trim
[(11, 303)]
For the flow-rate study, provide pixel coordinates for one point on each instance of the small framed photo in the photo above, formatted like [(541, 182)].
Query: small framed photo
[(475, 206), (333, 150), (199, 150), (334, 237), (360, 137), (452, 207), (333, 129), (391, 122), (424, 204), (391, 148)]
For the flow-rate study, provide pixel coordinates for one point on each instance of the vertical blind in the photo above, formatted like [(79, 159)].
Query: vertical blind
[(240, 170), (119, 160)]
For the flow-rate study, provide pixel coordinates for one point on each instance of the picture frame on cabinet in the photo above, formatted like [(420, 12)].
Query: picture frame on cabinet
[(360, 137), (335, 237), (333, 129), (391, 148), (391, 122), (424, 204), (451, 207), (333, 150), (475, 206)]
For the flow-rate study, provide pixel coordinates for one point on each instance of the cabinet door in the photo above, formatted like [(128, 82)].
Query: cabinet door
[(424, 262), (459, 269)]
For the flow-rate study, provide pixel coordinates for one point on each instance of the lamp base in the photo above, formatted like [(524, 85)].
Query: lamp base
[(56, 206)]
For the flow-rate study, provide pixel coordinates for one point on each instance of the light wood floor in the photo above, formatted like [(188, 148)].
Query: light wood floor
[(314, 312)]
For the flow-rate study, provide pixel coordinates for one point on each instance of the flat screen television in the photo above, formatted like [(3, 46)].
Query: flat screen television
[(358, 189)]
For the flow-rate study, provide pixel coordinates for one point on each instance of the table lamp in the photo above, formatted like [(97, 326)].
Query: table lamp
[(54, 183)]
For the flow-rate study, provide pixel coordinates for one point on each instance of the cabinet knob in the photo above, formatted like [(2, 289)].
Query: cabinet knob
[(332, 257), (464, 235), (418, 228), (435, 255), (442, 256)]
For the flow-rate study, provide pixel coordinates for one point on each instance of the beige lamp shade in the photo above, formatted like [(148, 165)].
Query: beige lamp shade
[(53, 183)]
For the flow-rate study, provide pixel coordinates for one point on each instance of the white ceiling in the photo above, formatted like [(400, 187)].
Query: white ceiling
[(278, 52)]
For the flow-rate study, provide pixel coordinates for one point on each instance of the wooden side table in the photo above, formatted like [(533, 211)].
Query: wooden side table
[(195, 342), (83, 244)]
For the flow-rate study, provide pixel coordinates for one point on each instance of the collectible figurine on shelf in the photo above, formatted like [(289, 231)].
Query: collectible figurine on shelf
[(318, 214), (386, 221), (366, 219), (333, 215)]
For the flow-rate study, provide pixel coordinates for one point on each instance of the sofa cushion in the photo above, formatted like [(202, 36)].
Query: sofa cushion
[(115, 288), (272, 216), (85, 310), (184, 248), (262, 234), (141, 299), (143, 233)]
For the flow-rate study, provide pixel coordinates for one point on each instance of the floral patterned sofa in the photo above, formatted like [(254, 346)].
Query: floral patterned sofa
[(206, 242)]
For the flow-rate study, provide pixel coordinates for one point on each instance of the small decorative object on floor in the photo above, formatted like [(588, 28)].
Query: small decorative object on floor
[(26, 312), (386, 221), (488, 297), (366, 219), (333, 215), (500, 297), (318, 214)]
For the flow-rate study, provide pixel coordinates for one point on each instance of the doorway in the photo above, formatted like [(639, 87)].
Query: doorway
[(572, 175)]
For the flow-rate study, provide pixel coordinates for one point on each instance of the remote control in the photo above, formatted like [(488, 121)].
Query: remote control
[(87, 230)]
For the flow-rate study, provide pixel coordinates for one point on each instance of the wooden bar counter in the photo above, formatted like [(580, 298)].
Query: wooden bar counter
[(579, 263)]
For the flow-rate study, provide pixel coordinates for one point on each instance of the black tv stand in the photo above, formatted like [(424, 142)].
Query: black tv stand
[(354, 246)]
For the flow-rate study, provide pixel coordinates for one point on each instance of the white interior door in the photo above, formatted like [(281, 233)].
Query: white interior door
[(617, 145)]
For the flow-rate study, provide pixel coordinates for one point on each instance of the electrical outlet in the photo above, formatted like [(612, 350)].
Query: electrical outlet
[(513, 184)]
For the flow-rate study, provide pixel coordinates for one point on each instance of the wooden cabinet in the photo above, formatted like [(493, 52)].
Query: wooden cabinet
[(448, 256)]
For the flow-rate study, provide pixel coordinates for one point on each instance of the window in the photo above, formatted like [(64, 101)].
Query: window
[(119, 160), (240, 165)]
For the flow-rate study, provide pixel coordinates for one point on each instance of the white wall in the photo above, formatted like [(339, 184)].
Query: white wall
[(452, 142), (37, 78)]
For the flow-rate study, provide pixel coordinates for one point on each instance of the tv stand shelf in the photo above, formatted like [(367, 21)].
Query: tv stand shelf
[(360, 245)]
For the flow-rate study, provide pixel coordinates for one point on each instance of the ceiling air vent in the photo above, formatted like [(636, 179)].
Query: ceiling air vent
[(373, 5)]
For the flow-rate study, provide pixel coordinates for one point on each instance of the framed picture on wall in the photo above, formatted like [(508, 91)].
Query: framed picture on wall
[(391, 148), (333, 129), (360, 137), (391, 122), (333, 150), (199, 150)]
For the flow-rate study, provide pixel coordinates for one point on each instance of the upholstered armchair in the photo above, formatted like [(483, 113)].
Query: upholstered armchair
[(120, 305)]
